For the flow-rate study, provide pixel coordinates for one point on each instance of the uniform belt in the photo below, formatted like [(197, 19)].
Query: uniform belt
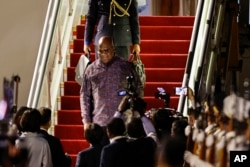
[(118, 20)]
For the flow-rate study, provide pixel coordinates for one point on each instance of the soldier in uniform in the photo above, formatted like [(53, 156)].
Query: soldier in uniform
[(116, 18)]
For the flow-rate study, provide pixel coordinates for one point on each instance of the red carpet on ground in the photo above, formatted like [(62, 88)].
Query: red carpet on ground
[(164, 49)]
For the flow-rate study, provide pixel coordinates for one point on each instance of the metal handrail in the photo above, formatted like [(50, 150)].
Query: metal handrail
[(204, 47), (191, 51), (43, 53), (61, 17), (200, 50)]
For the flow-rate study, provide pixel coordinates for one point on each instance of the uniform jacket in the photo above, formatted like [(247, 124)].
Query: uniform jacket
[(124, 30)]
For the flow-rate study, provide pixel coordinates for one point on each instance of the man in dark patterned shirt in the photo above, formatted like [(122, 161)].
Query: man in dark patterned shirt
[(102, 80)]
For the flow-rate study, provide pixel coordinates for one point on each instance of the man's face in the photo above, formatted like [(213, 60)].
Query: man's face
[(105, 53)]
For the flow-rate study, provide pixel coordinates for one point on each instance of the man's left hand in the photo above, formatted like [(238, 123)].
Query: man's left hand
[(136, 49)]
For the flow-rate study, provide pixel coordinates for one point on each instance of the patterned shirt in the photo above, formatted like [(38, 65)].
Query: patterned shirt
[(102, 82)]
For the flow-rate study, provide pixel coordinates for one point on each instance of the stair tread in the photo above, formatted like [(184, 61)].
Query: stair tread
[(149, 46), (163, 20), (149, 59), (152, 32)]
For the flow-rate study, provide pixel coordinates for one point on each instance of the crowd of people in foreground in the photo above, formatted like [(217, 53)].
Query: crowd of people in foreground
[(164, 138), (27, 142), (122, 133), (214, 127), (136, 137)]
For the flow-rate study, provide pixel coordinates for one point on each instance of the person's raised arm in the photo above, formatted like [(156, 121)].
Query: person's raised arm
[(122, 107)]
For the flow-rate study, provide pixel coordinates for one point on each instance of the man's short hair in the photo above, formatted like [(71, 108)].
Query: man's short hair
[(31, 120), (45, 115), (94, 133), (116, 126)]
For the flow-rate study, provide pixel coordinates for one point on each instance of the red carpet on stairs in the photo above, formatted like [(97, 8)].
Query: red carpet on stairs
[(164, 49)]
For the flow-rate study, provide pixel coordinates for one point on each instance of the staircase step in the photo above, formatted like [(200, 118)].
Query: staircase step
[(150, 46), (161, 60), (164, 20), (152, 102), (74, 146), (74, 130), (151, 87), (153, 74), (69, 132), (164, 74), (74, 115), (71, 103), (154, 32), (72, 88)]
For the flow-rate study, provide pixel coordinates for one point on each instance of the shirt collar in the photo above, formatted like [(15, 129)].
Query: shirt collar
[(116, 138)]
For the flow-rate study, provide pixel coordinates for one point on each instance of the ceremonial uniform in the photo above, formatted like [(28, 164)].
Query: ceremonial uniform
[(116, 18)]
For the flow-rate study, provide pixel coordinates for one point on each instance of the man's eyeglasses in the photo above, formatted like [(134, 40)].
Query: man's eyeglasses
[(104, 51)]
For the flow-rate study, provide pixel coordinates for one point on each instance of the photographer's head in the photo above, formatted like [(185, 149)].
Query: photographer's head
[(135, 128), (163, 119), (18, 116), (105, 49), (135, 104), (31, 120), (94, 133), (116, 127)]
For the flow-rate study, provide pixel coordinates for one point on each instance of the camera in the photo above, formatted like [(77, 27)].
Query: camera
[(180, 90), (124, 93), (129, 91), (162, 94)]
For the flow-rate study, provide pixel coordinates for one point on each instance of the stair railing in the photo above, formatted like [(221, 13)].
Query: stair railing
[(202, 51), (190, 59), (61, 17), (42, 57), (57, 31), (222, 46)]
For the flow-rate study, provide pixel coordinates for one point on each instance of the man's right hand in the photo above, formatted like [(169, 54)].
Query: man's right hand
[(86, 49), (86, 125)]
